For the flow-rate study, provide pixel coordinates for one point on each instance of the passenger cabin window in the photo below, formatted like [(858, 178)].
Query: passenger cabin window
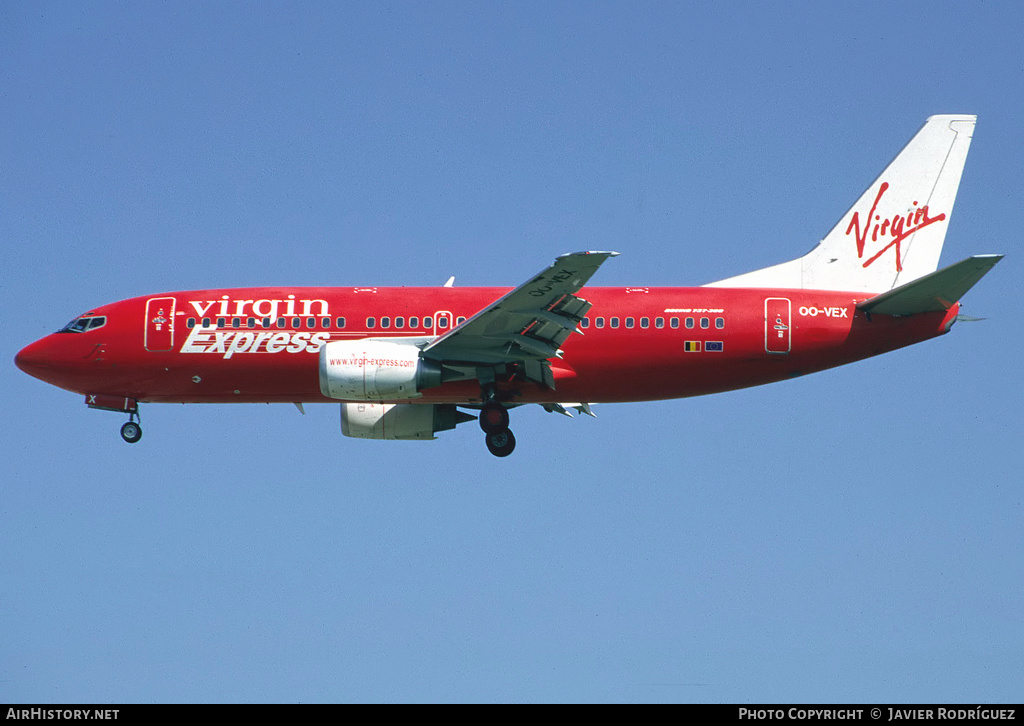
[(190, 323), (689, 322), (428, 323), (645, 322), (281, 322), (674, 322), (311, 323), (442, 323), (371, 322), (265, 322), (615, 322), (414, 322), (585, 323), (206, 322), (659, 322), (599, 322), (325, 322), (705, 323), (236, 322), (399, 322), (340, 322), (385, 322), (296, 322), (719, 323), (250, 322), (222, 322), (460, 320), (629, 322)]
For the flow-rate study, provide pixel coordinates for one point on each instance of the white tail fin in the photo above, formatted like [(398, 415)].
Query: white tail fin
[(894, 233)]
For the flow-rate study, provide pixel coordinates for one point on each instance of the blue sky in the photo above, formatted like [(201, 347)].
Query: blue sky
[(854, 535)]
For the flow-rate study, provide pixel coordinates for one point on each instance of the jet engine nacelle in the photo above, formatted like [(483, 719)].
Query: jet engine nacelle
[(407, 421), (374, 370)]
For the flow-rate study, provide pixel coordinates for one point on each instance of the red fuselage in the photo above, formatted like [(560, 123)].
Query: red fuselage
[(262, 344)]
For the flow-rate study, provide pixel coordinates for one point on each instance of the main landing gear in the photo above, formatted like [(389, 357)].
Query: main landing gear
[(132, 431), (494, 422)]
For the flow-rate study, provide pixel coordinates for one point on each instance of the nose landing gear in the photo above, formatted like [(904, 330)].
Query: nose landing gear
[(132, 431)]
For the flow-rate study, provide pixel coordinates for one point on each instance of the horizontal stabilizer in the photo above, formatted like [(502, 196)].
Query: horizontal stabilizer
[(935, 292)]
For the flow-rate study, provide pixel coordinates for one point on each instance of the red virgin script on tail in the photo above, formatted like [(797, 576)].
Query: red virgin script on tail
[(894, 230)]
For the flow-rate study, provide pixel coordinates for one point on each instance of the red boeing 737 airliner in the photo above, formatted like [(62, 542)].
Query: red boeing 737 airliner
[(402, 360)]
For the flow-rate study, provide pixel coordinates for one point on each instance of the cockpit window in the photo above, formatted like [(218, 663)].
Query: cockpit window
[(84, 323), (78, 325)]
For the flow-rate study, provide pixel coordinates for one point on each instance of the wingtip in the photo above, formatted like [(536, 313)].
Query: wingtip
[(589, 252), (953, 117)]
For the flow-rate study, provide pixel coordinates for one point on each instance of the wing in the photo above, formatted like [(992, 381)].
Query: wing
[(527, 325)]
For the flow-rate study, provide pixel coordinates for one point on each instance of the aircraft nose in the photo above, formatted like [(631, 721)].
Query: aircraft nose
[(67, 360), (32, 359), (46, 359)]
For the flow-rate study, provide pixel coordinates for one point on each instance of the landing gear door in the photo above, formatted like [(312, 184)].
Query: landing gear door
[(159, 324), (777, 325)]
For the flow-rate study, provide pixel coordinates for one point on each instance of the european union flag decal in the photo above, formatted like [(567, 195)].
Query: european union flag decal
[(714, 346)]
